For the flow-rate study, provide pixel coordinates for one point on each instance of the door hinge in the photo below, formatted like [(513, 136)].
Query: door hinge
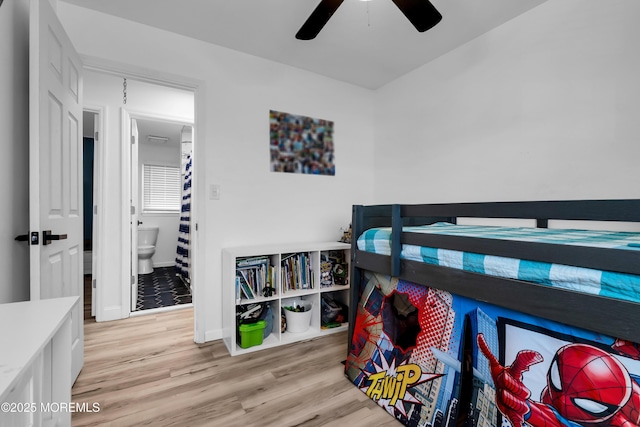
[(95, 209), (133, 280), (95, 136), (133, 210), (93, 283), (133, 140)]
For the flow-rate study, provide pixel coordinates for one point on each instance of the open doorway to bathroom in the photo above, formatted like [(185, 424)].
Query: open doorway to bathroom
[(118, 100), (161, 175), (90, 169)]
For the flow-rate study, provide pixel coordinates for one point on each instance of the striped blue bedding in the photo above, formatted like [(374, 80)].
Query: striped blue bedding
[(605, 283)]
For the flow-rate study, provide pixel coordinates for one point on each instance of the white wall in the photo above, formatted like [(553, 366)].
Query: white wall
[(14, 161), (167, 223), (231, 148), (143, 100), (543, 107)]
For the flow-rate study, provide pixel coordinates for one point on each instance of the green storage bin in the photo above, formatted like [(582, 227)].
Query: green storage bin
[(251, 334)]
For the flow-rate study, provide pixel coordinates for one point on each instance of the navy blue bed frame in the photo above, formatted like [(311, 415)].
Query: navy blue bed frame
[(617, 318)]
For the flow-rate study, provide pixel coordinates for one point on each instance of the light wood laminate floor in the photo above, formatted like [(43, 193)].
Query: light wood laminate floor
[(147, 370)]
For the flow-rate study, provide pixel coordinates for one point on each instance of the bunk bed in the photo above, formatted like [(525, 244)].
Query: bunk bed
[(432, 342)]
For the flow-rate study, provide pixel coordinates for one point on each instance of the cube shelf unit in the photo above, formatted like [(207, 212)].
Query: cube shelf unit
[(309, 291)]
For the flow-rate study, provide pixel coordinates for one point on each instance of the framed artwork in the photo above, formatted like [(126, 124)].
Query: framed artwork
[(300, 144)]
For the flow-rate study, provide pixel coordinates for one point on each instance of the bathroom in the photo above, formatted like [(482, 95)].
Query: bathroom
[(163, 152), (111, 254)]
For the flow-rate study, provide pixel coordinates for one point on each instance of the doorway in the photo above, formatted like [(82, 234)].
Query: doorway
[(161, 178), (90, 193), (139, 95)]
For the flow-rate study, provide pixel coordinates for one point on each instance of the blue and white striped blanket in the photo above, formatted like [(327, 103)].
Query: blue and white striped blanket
[(605, 283)]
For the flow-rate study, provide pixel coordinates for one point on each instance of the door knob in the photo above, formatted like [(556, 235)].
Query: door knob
[(47, 237)]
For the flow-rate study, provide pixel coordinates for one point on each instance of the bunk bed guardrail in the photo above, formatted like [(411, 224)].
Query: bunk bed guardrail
[(604, 315)]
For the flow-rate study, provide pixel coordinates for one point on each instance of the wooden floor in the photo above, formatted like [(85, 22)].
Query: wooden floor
[(147, 370)]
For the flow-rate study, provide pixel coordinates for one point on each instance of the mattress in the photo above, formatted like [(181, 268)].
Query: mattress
[(604, 283)]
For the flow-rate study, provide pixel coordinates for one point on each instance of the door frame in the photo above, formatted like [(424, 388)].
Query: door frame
[(127, 116), (133, 72), (98, 204), (128, 122)]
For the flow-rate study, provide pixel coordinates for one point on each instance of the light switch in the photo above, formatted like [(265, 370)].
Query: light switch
[(214, 192)]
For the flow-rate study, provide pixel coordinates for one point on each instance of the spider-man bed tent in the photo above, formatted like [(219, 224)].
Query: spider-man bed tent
[(431, 358)]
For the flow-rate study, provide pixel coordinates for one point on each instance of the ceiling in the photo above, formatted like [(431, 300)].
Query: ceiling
[(146, 127), (171, 131), (366, 43)]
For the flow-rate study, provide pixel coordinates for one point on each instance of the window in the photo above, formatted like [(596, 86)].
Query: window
[(161, 190)]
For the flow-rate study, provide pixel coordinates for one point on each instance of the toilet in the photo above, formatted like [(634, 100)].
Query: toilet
[(147, 237)]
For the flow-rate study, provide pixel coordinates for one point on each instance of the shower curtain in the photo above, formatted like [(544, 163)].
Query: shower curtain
[(182, 258)]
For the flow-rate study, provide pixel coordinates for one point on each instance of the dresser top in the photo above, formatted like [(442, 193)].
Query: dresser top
[(25, 329)]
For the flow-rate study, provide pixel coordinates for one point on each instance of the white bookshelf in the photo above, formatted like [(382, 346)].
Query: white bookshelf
[(311, 293)]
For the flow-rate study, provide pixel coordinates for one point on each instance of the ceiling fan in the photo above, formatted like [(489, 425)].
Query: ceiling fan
[(421, 13)]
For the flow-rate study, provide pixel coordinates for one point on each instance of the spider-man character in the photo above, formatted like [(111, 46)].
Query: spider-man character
[(586, 387)]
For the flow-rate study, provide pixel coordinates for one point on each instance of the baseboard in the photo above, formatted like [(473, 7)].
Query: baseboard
[(164, 264)]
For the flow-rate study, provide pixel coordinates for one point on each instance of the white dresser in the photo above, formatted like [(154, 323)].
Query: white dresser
[(35, 362)]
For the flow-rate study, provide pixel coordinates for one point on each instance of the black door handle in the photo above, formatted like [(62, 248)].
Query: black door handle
[(31, 238), (47, 237)]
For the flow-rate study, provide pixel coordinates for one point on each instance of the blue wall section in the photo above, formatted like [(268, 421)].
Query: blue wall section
[(87, 181)]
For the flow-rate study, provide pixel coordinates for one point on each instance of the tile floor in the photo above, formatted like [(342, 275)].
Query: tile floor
[(162, 288)]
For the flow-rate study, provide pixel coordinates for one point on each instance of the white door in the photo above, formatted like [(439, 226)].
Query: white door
[(134, 214), (55, 167)]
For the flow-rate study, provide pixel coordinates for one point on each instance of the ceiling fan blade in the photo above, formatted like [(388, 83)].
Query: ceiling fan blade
[(421, 13), (318, 18)]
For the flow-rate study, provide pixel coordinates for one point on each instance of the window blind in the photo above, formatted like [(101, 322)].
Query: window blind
[(161, 188)]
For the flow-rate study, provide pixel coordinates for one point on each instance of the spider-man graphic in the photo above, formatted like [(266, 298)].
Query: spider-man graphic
[(586, 387)]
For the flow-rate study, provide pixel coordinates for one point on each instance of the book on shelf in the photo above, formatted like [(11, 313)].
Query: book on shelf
[(297, 272), (244, 285), (252, 261), (256, 272), (238, 290)]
